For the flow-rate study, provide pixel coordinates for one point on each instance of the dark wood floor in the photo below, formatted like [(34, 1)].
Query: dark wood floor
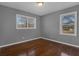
[(39, 47)]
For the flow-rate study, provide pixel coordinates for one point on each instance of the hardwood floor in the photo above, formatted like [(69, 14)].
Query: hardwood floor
[(39, 47)]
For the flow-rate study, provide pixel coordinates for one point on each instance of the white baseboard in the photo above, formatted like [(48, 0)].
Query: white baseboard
[(19, 42), (61, 42), (38, 38)]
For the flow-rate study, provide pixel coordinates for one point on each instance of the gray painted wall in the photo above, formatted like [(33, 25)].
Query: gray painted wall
[(8, 31), (50, 26)]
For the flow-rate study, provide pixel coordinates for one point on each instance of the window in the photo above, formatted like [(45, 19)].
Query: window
[(25, 22)]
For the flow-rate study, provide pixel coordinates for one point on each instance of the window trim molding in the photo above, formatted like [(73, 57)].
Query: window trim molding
[(27, 21)]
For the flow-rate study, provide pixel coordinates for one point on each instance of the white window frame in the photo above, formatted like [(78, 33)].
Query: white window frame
[(27, 17), (75, 25)]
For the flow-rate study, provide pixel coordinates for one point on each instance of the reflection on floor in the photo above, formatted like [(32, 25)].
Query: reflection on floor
[(39, 47)]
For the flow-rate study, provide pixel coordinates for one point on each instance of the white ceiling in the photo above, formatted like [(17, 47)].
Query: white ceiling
[(32, 7)]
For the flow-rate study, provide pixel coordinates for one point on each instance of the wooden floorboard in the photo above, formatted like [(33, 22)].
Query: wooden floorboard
[(39, 47)]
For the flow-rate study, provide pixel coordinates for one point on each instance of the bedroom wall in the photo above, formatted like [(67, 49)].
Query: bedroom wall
[(50, 26), (9, 33)]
